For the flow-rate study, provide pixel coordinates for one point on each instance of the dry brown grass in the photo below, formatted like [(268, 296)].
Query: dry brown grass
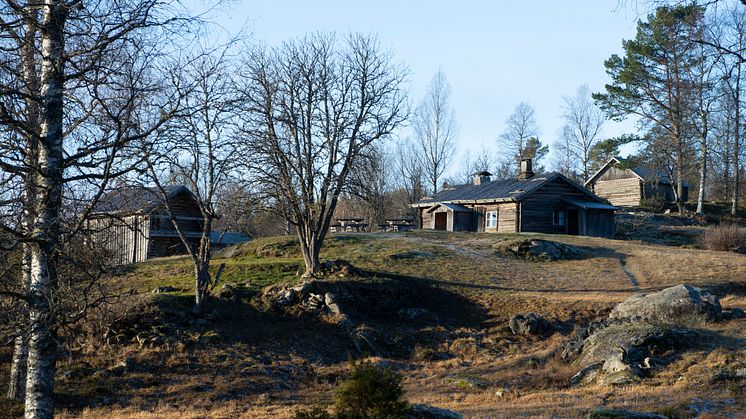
[(268, 365), (726, 237)]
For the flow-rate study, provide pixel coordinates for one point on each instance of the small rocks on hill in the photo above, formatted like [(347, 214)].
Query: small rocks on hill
[(682, 305), (528, 324), (538, 249)]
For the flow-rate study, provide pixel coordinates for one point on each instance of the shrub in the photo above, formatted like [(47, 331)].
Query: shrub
[(314, 413), (371, 392), (724, 237), (656, 203)]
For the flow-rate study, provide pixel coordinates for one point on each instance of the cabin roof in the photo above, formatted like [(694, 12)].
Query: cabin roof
[(135, 199), (498, 190)]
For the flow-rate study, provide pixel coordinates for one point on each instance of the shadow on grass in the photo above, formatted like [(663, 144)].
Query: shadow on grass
[(246, 350)]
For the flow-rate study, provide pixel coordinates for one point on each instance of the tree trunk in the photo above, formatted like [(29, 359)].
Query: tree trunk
[(202, 280), (736, 145), (679, 173), (17, 381), (702, 168), (310, 246), (42, 345)]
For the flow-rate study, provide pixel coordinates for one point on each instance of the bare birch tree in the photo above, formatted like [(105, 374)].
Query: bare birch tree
[(583, 123), (520, 129), (200, 147), (314, 105), (436, 130), (84, 71), (410, 171)]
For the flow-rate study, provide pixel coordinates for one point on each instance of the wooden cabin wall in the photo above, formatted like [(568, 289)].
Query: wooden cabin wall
[(168, 246), (663, 190), (462, 221), (427, 219), (125, 239), (615, 173), (507, 217), (620, 192), (600, 223), (536, 208)]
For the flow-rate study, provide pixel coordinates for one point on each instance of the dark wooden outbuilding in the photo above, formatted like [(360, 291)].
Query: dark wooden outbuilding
[(133, 225), (628, 187), (547, 203)]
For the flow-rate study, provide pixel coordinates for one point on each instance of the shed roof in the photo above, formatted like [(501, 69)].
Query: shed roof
[(498, 190), (450, 207), (134, 199), (591, 205)]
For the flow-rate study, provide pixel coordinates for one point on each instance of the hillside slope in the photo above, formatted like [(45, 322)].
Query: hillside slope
[(434, 305)]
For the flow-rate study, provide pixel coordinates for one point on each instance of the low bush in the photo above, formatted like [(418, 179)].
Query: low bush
[(724, 237), (371, 392), (314, 413)]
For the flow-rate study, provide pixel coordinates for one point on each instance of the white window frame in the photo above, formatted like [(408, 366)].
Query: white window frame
[(490, 219)]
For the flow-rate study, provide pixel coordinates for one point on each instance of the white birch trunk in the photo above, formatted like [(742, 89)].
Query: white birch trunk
[(42, 343), (17, 381)]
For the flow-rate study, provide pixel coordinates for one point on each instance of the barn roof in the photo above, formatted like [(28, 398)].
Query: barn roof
[(498, 190), (134, 199)]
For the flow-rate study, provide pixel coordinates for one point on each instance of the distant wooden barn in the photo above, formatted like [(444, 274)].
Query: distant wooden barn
[(132, 223), (629, 187), (547, 203)]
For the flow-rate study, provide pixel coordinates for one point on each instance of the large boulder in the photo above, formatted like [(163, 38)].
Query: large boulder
[(537, 249), (622, 353), (682, 305)]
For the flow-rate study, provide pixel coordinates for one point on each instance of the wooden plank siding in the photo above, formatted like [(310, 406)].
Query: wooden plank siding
[(536, 209), (620, 192), (582, 213), (136, 237), (124, 239)]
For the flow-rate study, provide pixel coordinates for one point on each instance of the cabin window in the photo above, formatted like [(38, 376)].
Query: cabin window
[(491, 219), (558, 217)]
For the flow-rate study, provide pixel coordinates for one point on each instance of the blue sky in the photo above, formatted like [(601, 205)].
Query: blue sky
[(495, 54)]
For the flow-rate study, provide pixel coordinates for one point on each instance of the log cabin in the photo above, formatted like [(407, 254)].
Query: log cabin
[(546, 203), (132, 223), (630, 187)]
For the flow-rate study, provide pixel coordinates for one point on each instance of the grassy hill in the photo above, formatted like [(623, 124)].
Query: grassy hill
[(457, 352)]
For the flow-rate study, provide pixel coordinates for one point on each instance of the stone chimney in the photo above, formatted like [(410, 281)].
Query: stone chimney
[(526, 169), (482, 178)]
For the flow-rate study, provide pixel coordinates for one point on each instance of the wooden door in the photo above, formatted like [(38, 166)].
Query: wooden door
[(441, 221), (572, 222)]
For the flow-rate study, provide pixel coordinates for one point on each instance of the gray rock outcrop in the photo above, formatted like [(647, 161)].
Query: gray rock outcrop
[(682, 305)]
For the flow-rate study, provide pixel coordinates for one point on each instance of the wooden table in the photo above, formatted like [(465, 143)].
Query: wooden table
[(400, 224), (350, 225)]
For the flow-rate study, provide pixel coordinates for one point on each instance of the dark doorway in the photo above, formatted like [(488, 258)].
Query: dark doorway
[(572, 222), (441, 221)]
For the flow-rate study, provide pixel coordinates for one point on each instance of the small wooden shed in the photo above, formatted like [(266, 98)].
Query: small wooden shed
[(547, 203), (628, 187), (132, 224)]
